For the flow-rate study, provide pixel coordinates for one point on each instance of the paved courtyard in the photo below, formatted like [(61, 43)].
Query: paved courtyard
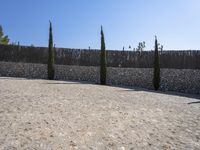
[(59, 115)]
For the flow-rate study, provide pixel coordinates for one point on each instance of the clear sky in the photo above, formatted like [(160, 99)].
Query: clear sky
[(76, 23)]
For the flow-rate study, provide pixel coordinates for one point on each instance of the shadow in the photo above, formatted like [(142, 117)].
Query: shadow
[(122, 87), (11, 78), (60, 83), (19, 78), (64, 83), (69, 82), (194, 96), (194, 103)]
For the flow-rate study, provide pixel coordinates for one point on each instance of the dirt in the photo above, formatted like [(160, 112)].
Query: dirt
[(60, 115)]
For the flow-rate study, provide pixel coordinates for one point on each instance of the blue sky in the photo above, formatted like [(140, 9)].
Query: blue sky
[(76, 23)]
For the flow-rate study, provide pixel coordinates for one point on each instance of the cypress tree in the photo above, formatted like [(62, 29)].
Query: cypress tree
[(50, 55), (156, 78), (103, 60)]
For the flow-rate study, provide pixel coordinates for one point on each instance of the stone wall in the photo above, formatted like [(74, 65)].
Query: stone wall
[(180, 80)]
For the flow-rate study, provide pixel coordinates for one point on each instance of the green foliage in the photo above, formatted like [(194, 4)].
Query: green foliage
[(3, 39), (156, 78), (103, 71), (51, 70), (141, 46)]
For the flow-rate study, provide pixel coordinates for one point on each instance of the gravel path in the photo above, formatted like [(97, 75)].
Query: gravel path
[(59, 115)]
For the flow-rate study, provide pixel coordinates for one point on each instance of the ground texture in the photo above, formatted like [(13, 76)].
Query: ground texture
[(58, 115)]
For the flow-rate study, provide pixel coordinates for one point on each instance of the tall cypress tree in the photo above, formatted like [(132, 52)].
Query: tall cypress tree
[(156, 78), (50, 55), (103, 71)]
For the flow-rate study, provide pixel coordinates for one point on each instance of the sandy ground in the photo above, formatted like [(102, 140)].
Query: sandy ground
[(59, 115)]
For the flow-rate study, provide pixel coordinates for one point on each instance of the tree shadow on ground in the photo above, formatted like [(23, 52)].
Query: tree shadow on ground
[(18, 78), (12, 78), (131, 89), (122, 88), (194, 103), (63, 83), (68, 82)]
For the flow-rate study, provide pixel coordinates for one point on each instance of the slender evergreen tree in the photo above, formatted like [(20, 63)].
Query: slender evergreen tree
[(103, 71), (50, 55), (156, 78)]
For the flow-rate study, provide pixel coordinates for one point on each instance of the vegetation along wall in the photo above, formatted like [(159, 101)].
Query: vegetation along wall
[(124, 59)]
